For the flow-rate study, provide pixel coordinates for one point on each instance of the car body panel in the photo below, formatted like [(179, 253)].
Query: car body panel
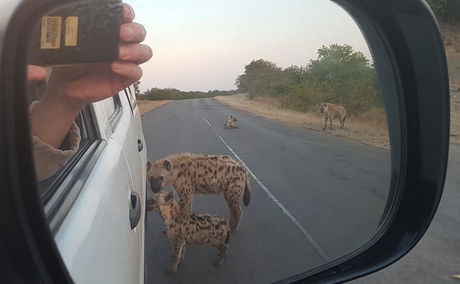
[(95, 239)]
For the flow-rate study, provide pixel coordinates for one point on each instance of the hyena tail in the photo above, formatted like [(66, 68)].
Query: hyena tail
[(227, 238), (247, 193)]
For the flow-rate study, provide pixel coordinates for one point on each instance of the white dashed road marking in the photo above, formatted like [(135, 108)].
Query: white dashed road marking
[(307, 235)]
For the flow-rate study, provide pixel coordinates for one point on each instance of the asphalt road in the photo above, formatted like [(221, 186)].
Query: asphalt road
[(315, 197)]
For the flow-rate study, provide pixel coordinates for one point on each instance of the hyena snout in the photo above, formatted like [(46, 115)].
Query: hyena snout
[(156, 184)]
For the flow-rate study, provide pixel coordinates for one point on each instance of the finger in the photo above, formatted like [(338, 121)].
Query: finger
[(36, 73), (128, 13), (136, 53), (129, 71), (132, 32)]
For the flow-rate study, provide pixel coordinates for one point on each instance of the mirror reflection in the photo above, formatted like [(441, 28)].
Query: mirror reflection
[(263, 140)]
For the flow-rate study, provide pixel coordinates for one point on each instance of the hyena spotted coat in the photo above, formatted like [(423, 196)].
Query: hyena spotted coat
[(185, 228), (205, 174), (231, 122), (332, 111)]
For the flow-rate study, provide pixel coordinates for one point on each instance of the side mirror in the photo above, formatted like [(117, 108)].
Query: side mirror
[(409, 57)]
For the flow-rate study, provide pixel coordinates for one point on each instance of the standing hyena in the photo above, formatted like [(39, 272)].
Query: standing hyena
[(206, 174), (230, 122), (187, 228), (332, 111)]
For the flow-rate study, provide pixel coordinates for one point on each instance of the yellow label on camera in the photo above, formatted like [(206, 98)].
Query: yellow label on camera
[(51, 32), (71, 31)]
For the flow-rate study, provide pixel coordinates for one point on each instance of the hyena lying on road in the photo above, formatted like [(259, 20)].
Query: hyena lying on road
[(207, 174), (230, 122), (332, 111), (185, 228)]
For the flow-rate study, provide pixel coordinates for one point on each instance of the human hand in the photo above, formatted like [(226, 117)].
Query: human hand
[(94, 82), (70, 87)]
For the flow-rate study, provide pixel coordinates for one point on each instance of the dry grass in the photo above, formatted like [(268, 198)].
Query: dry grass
[(455, 117), (146, 106), (369, 128), (451, 38)]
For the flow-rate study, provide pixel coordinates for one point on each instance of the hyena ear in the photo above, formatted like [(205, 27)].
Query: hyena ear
[(167, 165), (149, 165), (169, 197)]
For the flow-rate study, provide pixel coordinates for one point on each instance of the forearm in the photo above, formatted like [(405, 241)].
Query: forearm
[(53, 116)]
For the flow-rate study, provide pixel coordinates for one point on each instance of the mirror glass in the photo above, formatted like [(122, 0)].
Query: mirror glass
[(266, 115), (317, 193)]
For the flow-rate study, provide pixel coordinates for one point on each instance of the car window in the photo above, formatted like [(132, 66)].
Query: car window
[(58, 179), (109, 106), (130, 94), (88, 136), (113, 108)]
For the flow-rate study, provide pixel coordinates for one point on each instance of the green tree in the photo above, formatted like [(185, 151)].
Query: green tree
[(260, 78), (338, 75)]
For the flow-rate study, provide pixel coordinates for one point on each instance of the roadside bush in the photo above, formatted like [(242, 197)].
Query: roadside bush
[(175, 94), (338, 75)]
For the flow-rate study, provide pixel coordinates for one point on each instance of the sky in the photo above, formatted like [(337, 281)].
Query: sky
[(204, 44)]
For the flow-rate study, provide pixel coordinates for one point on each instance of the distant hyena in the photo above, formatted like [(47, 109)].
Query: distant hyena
[(206, 174), (230, 122), (185, 228), (332, 111)]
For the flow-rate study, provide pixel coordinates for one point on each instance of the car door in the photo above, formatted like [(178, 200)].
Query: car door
[(133, 143), (101, 237)]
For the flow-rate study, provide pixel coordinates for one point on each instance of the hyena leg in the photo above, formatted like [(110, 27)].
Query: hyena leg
[(342, 123), (325, 122), (220, 256), (330, 123), (232, 195), (182, 253), (176, 256)]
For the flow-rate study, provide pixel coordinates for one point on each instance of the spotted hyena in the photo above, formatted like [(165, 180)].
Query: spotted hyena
[(332, 111), (206, 174), (230, 122), (186, 228)]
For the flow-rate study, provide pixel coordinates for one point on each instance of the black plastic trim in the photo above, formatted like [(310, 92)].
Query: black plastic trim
[(131, 104), (116, 115), (50, 186), (28, 253)]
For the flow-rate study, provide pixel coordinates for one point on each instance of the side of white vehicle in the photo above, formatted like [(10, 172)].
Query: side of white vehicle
[(101, 233)]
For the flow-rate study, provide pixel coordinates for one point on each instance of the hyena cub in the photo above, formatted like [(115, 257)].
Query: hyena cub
[(206, 174), (230, 122), (332, 111), (186, 228)]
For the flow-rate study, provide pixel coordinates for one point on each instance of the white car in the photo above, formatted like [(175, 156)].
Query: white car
[(101, 235), (97, 211)]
